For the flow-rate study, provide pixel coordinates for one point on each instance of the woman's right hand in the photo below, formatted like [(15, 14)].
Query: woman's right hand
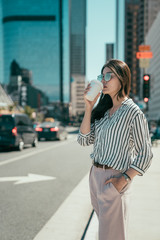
[(90, 104)]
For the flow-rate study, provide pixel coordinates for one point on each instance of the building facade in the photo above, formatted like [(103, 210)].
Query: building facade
[(153, 39), (139, 17), (1, 44), (36, 35), (21, 90), (131, 43), (77, 55), (151, 9), (77, 86), (109, 51)]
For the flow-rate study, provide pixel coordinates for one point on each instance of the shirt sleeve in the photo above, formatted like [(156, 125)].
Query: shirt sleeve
[(142, 144), (87, 139)]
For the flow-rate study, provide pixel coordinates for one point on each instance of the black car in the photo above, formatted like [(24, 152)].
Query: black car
[(51, 130), (16, 130)]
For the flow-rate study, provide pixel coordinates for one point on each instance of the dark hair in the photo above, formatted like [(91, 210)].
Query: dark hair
[(122, 72)]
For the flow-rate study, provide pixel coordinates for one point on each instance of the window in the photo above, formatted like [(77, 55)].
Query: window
[(6, 122), (22, 121)]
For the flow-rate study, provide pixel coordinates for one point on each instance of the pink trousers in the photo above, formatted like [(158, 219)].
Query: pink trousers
[(110, 206)]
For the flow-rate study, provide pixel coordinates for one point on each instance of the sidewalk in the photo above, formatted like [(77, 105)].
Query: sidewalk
[(145, 206), (69, 221)]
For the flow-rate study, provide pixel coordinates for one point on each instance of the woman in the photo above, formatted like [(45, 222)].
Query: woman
[(119, 132)]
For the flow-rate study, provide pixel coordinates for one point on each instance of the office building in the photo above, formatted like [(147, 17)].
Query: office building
[(141, 21), (152, 39), (36, 35), (151, 9), (77, 55), (21, 90), (139, 17), (148, 10), (77, 86), (109, 51), (131, 43), (1, 45)]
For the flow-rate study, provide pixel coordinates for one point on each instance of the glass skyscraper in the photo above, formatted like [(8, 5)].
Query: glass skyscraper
[(77, 54), (78, 36), (36, 35), (1, 46)]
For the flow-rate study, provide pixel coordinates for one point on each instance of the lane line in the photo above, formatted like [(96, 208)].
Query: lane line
[(34, 153), (70, 219)]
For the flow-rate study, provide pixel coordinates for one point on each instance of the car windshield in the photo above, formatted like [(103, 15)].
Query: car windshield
[(6, 122), (48, 124)]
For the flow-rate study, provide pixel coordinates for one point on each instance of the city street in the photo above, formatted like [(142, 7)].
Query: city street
[(61, 69), (39, 206), (28, 202)]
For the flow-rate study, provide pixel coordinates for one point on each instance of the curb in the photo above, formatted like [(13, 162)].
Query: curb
[(87, 226)]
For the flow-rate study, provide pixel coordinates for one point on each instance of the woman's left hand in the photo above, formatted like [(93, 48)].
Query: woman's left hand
[(118, 182)]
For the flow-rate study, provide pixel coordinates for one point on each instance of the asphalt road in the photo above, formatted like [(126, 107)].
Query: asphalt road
[(27, 206)]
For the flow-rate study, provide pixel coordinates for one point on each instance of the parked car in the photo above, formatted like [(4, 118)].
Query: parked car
[(16, 130), (51, 130)]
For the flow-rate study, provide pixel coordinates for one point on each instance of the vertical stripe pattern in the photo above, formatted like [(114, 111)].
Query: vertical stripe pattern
[(122, 140)]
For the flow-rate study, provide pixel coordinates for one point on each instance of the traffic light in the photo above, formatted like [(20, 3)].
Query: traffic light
[(146, 99), (146, 87)]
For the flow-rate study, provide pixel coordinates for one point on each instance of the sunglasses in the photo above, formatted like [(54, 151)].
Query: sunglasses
[(106, 77)]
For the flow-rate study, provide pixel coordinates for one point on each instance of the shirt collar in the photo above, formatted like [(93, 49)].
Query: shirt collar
[(127, 101)]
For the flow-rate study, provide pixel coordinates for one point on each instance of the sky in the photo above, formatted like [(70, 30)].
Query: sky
[(101, 17)]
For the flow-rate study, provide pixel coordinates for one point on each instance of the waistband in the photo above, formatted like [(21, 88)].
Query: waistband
[(96, 164)]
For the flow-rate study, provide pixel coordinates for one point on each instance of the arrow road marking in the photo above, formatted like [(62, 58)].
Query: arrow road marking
[(27, 179)]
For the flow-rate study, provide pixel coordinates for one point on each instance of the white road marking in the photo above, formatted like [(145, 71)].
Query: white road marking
[(70, 220), (34, 153), (27, 179)]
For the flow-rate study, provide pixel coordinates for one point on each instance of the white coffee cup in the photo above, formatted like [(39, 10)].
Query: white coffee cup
[(96, 87)]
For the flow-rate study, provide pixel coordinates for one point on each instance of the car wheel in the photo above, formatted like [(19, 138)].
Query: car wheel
[(39, 139), (66, 137), (20, 145), (35, 143), (61, 137)]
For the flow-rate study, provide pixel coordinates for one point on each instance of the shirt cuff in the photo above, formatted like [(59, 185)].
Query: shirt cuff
[(84, 135), (141, 172)]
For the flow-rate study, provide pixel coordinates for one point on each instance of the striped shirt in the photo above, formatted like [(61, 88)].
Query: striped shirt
[(121, 140)]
